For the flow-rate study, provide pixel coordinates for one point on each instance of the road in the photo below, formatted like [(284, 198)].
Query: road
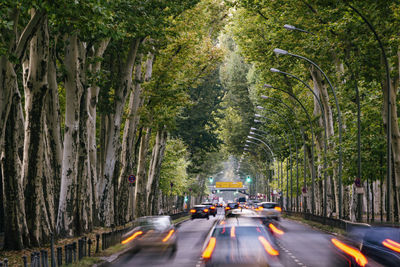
[(301, 245)]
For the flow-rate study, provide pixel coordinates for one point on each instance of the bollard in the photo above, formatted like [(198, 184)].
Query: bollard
[(89, 246), (46, 256), (33, 259), (59, 256), (80, 249), (37, 259), (103, 237), (25, 261), (42, 254), (69, 248), (52, 256), (5, 262), (74, 250), (84, 246), (97, 243), (66, 254)]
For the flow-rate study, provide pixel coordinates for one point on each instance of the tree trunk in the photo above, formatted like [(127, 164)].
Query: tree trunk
[(154, 171), (68, 203), (141, 177), (113, 140), (39, 202), (11, 156)]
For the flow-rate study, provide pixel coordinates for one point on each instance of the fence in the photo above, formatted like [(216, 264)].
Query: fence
[(76, 251)]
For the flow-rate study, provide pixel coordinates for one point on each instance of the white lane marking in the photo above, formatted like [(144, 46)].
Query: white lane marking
[(290, 254)]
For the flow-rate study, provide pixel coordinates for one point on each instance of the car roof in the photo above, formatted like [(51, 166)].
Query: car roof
[(198, 206), (243, 221), (268, 202)]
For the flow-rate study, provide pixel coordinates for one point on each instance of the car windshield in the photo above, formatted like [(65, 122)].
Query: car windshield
[(156, 223), (269, 205), (232, 205)]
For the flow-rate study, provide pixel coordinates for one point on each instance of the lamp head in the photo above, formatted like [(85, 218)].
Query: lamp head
[(257, 121), (251, 132), (264, 96), (259, 107), (253, 129), (257, 115), (268, 85), (289, 27), (274, 70), (280, 51)]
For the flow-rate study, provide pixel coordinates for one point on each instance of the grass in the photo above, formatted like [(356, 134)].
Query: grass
[(316, 225)]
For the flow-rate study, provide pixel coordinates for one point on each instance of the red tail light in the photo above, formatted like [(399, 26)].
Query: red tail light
[(391, 245), (205, 210), (267, 246), (278, 209), (227, 208), (213, 208), (129, 239), (210, 248), (193, 211), (356, 254)]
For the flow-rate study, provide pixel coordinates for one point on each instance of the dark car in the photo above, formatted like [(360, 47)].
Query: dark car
[(212, 209), (152, 232), (243, 242), (200, 211), (231, 206), (382, 244), (270, 210)]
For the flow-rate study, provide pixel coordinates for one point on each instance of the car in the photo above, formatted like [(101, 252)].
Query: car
[(152, 232), (382, 244), (212, 209), (240, 242), (199, 211), (270, 210), (231, 206)]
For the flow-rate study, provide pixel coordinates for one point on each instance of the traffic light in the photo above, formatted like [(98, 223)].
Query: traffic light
[(248, 179), (210, 179)]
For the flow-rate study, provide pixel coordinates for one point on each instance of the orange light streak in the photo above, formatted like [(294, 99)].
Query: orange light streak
[(393, 245), (357, 255), (267, 246), (193, 211), (233, 234), (129, 239), (168, 236), (275, 230), (210, 248)]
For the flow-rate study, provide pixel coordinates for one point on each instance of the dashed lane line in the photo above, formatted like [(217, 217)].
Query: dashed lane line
[(296, 260)]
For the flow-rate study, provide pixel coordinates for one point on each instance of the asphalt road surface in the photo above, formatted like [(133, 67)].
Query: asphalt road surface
[(301, 245)]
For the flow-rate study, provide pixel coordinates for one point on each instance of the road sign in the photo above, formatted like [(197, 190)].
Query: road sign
[(132, 179), (228, 185)]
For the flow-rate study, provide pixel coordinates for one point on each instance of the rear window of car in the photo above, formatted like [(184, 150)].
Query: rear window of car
[(233, 205), (269, 205)]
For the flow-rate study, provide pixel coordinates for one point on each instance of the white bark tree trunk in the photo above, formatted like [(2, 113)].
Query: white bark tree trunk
[(39, 202), (67, 206), (113, 139)]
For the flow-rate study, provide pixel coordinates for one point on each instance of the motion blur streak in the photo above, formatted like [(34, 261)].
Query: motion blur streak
[(168, 236), (268, 247), (222, 222), (357, 255), (275, 230), (210, 248), (205, 210), (193, 211), (391, 244), (233, 232), (132, 237)]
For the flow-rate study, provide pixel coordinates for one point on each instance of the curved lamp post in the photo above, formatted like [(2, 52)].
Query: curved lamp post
[(284, 52), (325, 134), (296, 147)]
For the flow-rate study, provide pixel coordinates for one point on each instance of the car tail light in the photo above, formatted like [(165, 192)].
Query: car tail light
[(210, 248), (267, 246), (259, 208), (205, 210), (391, 245), (227, 208), (275, 230), (168, 236), (213, 208), (129, 239), (193, 211), (356, 254), (278, 209)]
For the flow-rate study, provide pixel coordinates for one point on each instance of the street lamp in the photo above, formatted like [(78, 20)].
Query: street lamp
[(284, 52), (293, 28), (325, 133)]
